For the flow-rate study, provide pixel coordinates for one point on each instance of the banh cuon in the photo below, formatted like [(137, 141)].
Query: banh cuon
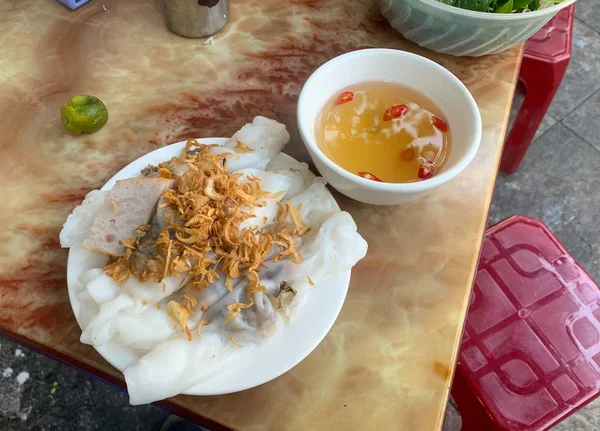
[(205, 257)]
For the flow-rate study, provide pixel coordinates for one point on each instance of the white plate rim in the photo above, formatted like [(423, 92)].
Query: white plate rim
[(304, 332)]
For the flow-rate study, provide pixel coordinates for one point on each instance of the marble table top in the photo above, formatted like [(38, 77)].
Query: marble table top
[(388, 361)]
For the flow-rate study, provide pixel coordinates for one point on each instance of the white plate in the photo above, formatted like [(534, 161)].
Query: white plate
[(291, 344)]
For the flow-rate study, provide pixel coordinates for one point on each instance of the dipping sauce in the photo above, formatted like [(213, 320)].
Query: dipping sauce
[(384, 131)]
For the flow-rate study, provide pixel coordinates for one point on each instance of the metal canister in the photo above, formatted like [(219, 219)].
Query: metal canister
[(196, 18)]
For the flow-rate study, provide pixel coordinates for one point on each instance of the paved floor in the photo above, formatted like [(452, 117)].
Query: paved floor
[(558, 183)]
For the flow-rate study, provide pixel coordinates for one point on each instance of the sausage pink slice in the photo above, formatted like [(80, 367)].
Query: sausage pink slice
[(130, 204)]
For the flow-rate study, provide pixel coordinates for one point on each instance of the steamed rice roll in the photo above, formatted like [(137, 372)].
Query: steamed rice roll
[(179, 330)]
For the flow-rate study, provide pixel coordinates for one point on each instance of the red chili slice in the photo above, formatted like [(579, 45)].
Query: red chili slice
[(439, 124), (425, 170), (369, 176), (347, 96), (394, 112)]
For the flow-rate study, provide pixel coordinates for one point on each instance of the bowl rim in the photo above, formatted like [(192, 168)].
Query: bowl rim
[(499, 16), (413, 187)]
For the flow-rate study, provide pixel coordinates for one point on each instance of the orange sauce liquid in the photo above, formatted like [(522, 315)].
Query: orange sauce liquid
[(355, 136)]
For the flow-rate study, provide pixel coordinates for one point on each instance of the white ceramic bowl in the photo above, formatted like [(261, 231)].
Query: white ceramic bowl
[(431, 79), (451, 30)]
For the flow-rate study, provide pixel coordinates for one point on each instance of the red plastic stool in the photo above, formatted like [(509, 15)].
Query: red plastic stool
[(530, 354), (547, 55)]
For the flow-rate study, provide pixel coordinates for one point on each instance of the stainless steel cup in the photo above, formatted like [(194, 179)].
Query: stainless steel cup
[(196, 18)]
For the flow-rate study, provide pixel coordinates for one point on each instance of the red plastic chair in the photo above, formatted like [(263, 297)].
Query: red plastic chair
[(530, 354), (547, 55)]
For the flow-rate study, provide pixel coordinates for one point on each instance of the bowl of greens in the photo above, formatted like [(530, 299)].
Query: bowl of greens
[(469, 27)]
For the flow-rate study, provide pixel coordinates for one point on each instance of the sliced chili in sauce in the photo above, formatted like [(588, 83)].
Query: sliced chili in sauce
[(395, 112), (369, 176), (345, 97), (426, 170), (439, 124)]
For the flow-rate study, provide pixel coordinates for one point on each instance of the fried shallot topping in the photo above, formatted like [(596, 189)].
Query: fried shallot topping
[(203, 215)]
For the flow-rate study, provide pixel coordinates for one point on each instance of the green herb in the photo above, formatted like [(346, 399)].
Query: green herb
[(506, 7), (534, 5), (522, 4), (501, 6), (476, 5)]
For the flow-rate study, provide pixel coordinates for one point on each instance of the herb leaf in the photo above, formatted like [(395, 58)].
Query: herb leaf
[(476, 5), (506, 7), (521, 4), (534, 5)]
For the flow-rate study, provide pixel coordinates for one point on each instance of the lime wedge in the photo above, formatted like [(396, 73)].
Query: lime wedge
[(84, 114)]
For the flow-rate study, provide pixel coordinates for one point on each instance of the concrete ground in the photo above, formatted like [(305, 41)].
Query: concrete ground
[(557, 183)]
